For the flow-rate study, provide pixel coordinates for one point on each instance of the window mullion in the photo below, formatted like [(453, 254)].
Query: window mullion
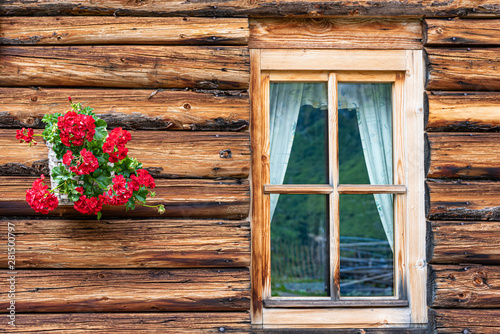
[(334, 231)]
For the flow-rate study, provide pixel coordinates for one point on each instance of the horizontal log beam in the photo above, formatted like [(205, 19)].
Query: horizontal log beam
[(464, 242), (130, 108), (182, 198), (161, 243), (463, 69), (342, 32), (47, 291), (221, 67), (464, 286), (463, 111), (464, 200), (469, 321), (462, 32), (270, 8), (78, 323), (123, 30), (464, 155), (170, 154)]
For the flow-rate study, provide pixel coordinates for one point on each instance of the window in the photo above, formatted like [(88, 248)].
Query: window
[(337, 188)]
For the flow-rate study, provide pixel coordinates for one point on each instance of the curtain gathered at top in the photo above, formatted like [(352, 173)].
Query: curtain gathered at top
[(286, 99), (374, 112)]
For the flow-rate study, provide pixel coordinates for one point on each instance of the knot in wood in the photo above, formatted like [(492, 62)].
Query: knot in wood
[(225, 154)]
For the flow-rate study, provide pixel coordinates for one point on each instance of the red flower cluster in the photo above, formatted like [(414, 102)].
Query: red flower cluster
[(88, 206), (117, 138), (25, 138), (142, 179), (75, 128), (85, 165), (39, 198), (119, 193)]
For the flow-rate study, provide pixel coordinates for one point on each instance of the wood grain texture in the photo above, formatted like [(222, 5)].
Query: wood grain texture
[(463, 69), (238, 8), (463, 111), (462, 32), (366, 330), (170, 154), (221, 67), (161, 243), (464, 200), (141, 290), (464, 286), (456, 321), (464, 155), (464, 242), (342, 33), (128, 323), (182, 198), (91, 30), (130, 108)]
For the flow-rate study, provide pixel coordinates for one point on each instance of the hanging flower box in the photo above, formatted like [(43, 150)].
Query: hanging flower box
[(89, 168)]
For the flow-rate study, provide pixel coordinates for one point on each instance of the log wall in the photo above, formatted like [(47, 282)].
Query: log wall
[(462, 116), (180, 86)]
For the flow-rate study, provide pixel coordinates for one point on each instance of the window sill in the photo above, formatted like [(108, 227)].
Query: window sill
[(357, 303)]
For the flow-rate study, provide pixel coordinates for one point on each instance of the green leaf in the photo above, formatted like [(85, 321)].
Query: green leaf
[(99, 215)]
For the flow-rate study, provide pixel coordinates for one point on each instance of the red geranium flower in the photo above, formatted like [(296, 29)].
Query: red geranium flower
[(86, 164), (88, 206), (75, 128), (26, 136), (143, 178), (117, 139), (39, 198), (119, 193)]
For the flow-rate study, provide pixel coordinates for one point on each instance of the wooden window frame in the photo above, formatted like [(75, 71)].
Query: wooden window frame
[(405, 69)]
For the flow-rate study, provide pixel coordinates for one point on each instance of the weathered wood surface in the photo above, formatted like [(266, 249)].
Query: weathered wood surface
[(130, 108), (123, 30), (464, 286), (140, 290), (182, 198), (350, 33), (463, 111), (210, 67), (464, 242), (161, 243), (464, 155), (235, 8), (463, 69), (462, 32), (128, 323), (464, 200), (458, 321), (400, 330), (170, 154)]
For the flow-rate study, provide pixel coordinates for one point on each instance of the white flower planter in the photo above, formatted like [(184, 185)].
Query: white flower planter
[(54, 162)]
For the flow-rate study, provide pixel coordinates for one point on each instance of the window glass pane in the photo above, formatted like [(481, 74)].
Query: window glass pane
[(299, 247), (365, 133), (366, 242), (298, 128)]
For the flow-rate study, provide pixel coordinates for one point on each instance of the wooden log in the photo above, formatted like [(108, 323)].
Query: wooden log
[(342, 32), (464, 286), (365, 330), (238, 8), (221, 67), (462, 32), (91, 30), (464, 155), (130, 108), (464, 242), (148, 323), (161, 243), (170, 154), (463, 111), (463, 200), (182, 198), (463, 69), (139, 290), (449, 321)]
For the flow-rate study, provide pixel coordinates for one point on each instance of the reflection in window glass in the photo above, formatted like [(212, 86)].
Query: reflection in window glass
[(366, 243), (298, 128), (299, 247), (365, 133)]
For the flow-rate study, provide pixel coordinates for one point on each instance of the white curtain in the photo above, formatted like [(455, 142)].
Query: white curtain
[(286, 99), (374, 112)]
